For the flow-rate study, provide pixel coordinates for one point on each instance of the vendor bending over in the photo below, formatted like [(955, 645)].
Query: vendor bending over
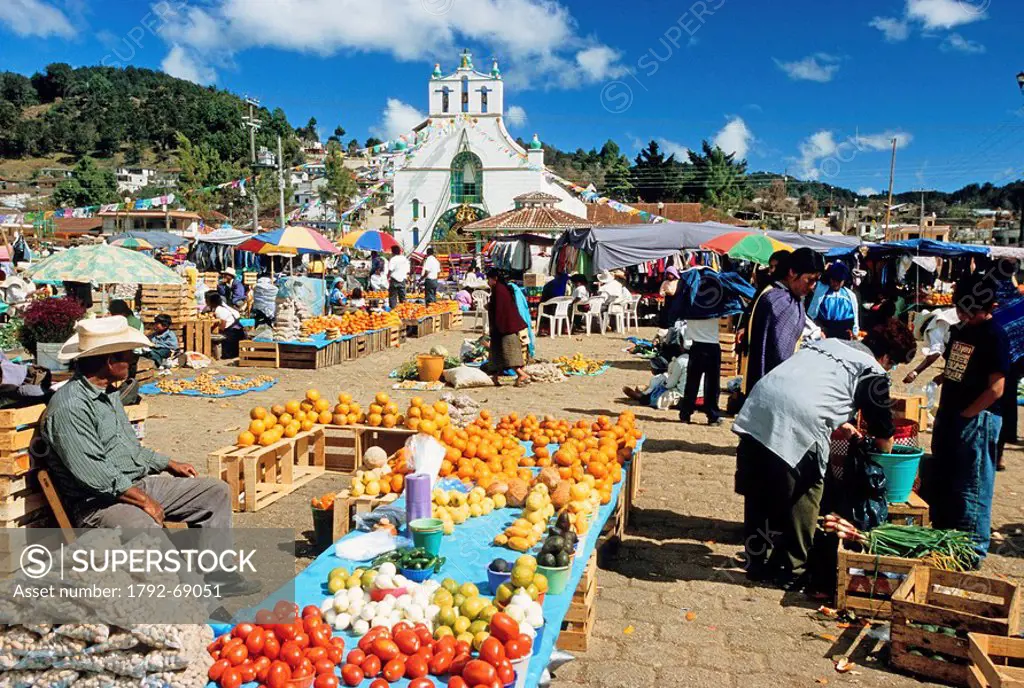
[(784, 431), (101, 469)]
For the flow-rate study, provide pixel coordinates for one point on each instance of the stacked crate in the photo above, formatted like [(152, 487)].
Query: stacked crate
[(176, 300), (579, 620), (727, 341)]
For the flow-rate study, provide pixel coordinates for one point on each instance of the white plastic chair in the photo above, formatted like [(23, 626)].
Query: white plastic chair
[(561, 315), (480, 300), (616, 309), (631, 313), (593, 313)]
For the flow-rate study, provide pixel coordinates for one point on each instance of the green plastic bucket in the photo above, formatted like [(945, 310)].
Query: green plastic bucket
[(557, 577), (427, 533), (900, 468)]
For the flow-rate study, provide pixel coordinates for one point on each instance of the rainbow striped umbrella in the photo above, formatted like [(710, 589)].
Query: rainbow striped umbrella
[(289, 241), (369, 240), (751, 246)]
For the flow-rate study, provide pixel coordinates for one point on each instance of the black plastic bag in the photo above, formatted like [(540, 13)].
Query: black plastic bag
[(862, 494)]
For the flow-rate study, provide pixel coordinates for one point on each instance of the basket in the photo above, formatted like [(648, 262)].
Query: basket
[(900, 468), (905, 435)]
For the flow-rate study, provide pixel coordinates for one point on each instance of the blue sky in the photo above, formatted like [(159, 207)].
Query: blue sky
[(814, 88)]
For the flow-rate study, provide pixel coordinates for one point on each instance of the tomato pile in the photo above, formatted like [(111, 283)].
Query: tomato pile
[(275, 653)]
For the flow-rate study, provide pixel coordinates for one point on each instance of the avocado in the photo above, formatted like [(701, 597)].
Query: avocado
[(499, 566), (554, 543), (563, 522), (547, 559), (562, 559)]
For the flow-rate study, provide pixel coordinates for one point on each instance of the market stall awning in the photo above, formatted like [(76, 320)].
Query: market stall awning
[(927, 247), (289, 241), (751, 246), (103, 264), (157, 238), (224, 236)]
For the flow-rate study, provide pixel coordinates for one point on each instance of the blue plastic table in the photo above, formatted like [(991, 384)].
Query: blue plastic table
[(468, 551)]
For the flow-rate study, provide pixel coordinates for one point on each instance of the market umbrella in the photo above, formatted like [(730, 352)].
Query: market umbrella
[(133, 243), (103, 264), (289, 241), (369, 240), (757, 248)]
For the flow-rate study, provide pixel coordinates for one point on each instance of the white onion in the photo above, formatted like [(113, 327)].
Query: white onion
[(342, 621), (341, 603), (360, 627), (387, 569)]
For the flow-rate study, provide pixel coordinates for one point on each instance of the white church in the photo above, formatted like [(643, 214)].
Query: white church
[(470, 167)]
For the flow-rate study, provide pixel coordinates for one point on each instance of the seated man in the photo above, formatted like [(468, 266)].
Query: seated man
[(105, 475), (165, 342)]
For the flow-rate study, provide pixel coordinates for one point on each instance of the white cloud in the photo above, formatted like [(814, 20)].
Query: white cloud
[(958, 43), (398, 118), (600, 62), (35, 18), (671, 148), (867, 191), (539, 37), (179, 63), (820, 152), (945, 14), (895, 30), (820, 67), (735, 137), (515, 115)]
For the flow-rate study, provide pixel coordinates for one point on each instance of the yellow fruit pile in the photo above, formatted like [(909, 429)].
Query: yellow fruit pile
[(578, 363), (375, 483), (455, 507), (287, 420), (527, 530)]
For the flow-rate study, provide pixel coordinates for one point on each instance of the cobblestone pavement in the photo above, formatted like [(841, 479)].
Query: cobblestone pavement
[(672, 607)]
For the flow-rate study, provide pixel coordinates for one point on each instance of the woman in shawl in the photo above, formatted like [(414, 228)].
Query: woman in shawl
[(506, 323)]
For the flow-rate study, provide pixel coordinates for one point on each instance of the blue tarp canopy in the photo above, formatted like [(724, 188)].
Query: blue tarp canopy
[(927, 247), (157, 238)]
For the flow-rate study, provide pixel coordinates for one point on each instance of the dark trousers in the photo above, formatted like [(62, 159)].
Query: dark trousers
[(396, 293), (232, 337), (780, 510), (429, 291), (706, 360), (158, 354)]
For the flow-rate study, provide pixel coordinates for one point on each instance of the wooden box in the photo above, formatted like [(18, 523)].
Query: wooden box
[(913, 407), (394, 339), (342, 447), (995, 662), (865, 582), (198, 337), (933, 611), (632, 486), (308, 357), (913, 512), (419, 328), (359, 346), (257, 354), (347, 507), (586, 591), (388, 439), (575, 636)]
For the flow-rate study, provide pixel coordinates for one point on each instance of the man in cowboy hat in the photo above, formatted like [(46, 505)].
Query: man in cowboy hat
[(102, 470), (231, 289)]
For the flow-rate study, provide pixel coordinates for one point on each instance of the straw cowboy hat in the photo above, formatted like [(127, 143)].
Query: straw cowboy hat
[(229, 271), (605, 277), (474, 282), (100, 336)]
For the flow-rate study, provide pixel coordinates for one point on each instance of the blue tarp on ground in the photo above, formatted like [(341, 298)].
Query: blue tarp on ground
[(468, 552), (151, 389)]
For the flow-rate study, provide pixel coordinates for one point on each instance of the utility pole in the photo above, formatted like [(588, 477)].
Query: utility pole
[(253, 123), (922, 208), (280, 180), (892, 171)]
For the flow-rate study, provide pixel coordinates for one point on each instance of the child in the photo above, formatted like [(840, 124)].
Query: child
[(967, 424), (165, 342), (357, 300), (464, 299)]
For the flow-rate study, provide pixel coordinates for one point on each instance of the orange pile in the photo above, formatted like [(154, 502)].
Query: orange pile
[(351, 323), (412, 311), (426, 418), (347, 411), (287, 420), (383, 412)]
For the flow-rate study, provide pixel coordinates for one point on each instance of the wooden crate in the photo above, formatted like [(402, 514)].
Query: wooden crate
[(995, 662), (259, 476), (346, 507), (586, 591), (913, 512), (343, 447), (869, 593), (575, 637), (249, 279), (198, 337), (257, 354), (632, 486), (308, 357), (360, 345), (963, 602), (414, 329), (388, 439), (394, 337), (913, 407)]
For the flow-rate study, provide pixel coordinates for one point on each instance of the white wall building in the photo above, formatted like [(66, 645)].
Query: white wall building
[(470, 166), (131, 179)]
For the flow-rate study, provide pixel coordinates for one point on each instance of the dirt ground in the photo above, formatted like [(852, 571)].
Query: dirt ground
[(672, 607)]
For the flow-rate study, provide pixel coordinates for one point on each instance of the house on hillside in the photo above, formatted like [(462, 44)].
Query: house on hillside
[(176, 221), (132, 179), (469, 166)]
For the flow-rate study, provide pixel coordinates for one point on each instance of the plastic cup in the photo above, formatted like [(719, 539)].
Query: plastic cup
[(427, 533), (495, 578)]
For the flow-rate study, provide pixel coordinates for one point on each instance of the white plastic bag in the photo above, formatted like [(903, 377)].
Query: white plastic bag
[(196, 360), (369, 546), (426, 455)]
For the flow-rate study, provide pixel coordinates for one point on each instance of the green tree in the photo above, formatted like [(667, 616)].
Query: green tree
[(339, 131), (17, 90), (352, 146), (90, 185), (656, 177), (340, 185), (715, 177), (808, 205), (372, 141)]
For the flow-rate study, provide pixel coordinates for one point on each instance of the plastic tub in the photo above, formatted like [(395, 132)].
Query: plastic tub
[(900, 471), (429, 367), (418, 575), (495, 578), (427, 533), (557, 577)]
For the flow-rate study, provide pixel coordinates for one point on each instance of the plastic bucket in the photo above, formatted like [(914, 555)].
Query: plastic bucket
[(323, 528), (494, 579), (418, 575), (427, 533), (557, 577), (900, 471), (429, 367)]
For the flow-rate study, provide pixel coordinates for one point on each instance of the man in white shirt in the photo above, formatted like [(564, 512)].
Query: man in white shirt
[(431, 269), (611, 288), (398, 271)]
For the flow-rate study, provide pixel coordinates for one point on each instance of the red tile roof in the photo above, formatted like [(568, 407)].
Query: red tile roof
[(530, 218)]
